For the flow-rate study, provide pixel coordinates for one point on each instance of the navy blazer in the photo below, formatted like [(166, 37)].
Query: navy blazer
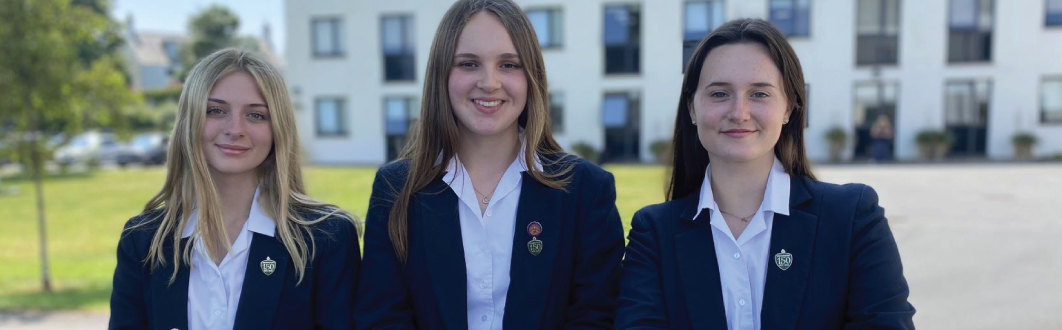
[(845, 271), (572, 284), (144, 299)]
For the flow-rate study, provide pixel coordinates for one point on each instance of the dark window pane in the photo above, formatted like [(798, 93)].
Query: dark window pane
[(791, 17), (1054, 12), (622, 40), (1051, 109), (397, 45)]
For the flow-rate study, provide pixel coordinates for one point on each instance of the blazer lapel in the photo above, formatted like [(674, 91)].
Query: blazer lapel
[(261, 289), (785, 288), (436, 208), (699, 269), (530, 274), (170, 301)]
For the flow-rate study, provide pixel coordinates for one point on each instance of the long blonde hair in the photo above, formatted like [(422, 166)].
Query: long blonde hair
[(190, 188), (437, 133)]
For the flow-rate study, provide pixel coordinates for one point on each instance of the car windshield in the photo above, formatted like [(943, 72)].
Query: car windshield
[(79, 142), (143, 141)]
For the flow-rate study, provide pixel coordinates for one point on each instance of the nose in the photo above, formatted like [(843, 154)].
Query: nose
[(739, 110), (234, 125), (488, 81)]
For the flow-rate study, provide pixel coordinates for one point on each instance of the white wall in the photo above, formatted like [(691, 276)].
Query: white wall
[(1024, 52)]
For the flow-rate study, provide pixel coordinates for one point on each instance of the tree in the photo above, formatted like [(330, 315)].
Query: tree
[(48, 85), (211, 30)]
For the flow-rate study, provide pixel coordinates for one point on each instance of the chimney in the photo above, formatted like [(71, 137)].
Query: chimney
[(267, 36)]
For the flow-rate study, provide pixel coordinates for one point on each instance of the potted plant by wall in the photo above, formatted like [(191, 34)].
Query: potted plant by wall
[(1023, 143), (660, 148), (585, 150), (933, 144), (837, 137)]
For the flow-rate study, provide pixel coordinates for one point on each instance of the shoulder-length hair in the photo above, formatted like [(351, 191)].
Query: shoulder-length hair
[(689, 159), (437, 133), (190, 188)]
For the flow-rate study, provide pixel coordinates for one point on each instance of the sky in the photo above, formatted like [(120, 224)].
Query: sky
[(172, 16)]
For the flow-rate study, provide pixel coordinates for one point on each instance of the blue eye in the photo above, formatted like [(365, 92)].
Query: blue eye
[(511, 66), (759, 95), (215, 111), (256, 116), (467, 64), (717, 94)]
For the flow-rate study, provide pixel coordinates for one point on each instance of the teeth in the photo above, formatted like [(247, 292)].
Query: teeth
[(487, 104)]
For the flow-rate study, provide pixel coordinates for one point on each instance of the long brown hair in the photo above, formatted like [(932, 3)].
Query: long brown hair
[(437, 133), (189, 185), (689, 158)]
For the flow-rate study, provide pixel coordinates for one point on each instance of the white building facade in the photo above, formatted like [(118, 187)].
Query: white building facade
[(981, 69)]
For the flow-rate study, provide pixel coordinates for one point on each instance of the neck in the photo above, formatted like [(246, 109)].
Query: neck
[(236, 194), (739, 187), (488, 153)]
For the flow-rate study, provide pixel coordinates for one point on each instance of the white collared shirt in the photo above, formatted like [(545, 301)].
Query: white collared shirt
[(487, 238), (743, 261), (214, 290)]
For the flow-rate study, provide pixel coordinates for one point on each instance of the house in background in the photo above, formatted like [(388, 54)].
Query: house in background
[(154, 61), (981, 69)]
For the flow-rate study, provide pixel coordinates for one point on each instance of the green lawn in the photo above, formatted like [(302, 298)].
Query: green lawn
[(85, 213)]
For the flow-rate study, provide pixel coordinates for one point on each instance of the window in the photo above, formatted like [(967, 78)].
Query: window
[(400, 116), (556, 112), (171, 49), (970, 31), (700, 19), (547, 24), (877, 30), (872, 100), (1051, 103), (966, 115), (1053, 16), (791, 16), (621, 118), (622, 39), (396, 34), (327, 37), (331, 117)]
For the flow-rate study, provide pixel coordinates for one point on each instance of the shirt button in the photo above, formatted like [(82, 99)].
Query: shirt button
[(482, 285), (489, 213), (217, 312), (484, 318), (741, 302), (737, 255)]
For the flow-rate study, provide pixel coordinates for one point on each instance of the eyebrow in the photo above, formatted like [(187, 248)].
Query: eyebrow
[(726, 84), (502, 56), (250, 105)]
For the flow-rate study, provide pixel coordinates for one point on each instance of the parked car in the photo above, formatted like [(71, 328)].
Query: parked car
[(147, 149), (87, 147)]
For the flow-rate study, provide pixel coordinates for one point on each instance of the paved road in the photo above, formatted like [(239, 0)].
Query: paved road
[(980, 244)]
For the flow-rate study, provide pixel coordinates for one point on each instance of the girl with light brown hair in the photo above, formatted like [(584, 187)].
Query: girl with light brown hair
[(485, 222)]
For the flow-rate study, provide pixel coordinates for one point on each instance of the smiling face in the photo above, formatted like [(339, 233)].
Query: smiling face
[(237, 134), (487, 85), (739, 106)]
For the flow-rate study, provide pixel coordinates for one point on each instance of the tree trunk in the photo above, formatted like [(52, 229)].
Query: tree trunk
[(38, 166)]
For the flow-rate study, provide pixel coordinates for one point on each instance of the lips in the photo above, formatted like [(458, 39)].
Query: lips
[(738, 133), (487, 105), (232, 150)]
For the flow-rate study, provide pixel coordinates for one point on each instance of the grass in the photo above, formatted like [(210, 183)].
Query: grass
[(85, 214)]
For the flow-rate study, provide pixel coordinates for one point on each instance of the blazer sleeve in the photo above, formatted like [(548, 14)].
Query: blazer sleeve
[(599, 251), (128, 307), (336, 275), (641, 298), (383, 298), (878, 291)]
